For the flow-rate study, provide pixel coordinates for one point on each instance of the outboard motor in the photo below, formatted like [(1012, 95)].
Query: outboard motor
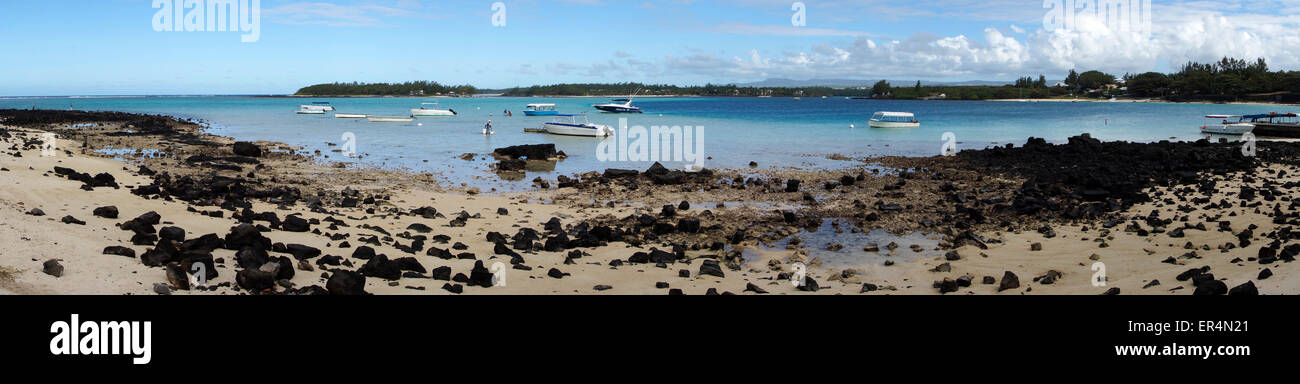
[(453, 111)]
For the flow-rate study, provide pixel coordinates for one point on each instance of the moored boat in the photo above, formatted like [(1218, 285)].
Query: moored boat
[(568, 125), (541, 110), (391, 119), (1275, 124), (618, 106), (894, 120), (1228, 127), (432, 112), (317, 106), (310, 111)]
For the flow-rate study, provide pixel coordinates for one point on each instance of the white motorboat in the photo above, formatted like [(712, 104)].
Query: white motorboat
[(1228, 127), (568, 125), (317, 106), (894, 120), (391, 119), (620, 105), (432, 112), (310, 111), (350, 116)]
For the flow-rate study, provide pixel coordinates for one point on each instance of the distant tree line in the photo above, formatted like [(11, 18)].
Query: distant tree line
[(410, 88), (1227, 80), (713, 90)]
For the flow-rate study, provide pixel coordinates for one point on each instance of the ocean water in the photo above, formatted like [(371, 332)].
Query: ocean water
[(774, 132)]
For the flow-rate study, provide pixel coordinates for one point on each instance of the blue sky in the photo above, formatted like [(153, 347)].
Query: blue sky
[(66, 47)]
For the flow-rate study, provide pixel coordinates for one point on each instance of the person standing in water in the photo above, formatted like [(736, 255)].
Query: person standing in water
[(487, 129)]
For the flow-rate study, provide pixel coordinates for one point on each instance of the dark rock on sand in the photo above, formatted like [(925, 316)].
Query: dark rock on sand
[(172, 233), (248, 149), (442, 273), (1211, 288), (346, 283), (295, 224), (1247, 289), (381, 267), (109, 212), (52, 268), (120, 251), (255, 280), (711, 268), (1009, 281)]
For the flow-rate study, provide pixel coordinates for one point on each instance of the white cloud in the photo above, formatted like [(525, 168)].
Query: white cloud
[(1190, 32)]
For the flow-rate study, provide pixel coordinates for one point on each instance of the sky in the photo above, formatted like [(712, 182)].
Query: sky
[(113, 47)]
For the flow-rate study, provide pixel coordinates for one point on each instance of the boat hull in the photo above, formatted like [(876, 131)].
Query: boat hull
[(324, 108), (432, 113), (585, 130), (893, 124), (1230, 129), (381, 119), (311, 112), (618, 109), (541, 113), (1277, 130)]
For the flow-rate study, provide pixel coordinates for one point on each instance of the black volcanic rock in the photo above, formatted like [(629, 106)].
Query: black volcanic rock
[(109, 212), (346, 283), (530, 152), (244, 148)]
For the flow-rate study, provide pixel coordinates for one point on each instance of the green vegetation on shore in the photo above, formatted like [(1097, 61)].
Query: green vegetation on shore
[(1225, 81), (410, 88)]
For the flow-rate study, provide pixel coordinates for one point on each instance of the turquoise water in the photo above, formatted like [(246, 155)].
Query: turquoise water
[(775, 132)]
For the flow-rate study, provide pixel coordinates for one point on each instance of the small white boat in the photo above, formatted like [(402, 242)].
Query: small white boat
[(423, 111), (1227, 127), (391, 119), (541, 110), (894, 120), (310, 111), (568, 125), (317, 106), (350, 116)]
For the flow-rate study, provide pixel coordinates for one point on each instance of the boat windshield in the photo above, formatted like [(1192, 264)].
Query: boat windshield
[(894, 117), (541, 107), (572, 119)]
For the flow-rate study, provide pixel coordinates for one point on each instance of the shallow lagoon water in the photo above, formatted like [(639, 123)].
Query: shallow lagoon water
[(853, 255), (774, 132)]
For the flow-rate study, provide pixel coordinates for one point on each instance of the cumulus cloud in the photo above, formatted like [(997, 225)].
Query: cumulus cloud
[(1185, 32)]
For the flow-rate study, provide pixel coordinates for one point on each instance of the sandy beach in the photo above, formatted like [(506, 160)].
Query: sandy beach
[(643, 233)]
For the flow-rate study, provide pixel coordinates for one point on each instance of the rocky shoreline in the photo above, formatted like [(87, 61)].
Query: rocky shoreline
[(276, 221)]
